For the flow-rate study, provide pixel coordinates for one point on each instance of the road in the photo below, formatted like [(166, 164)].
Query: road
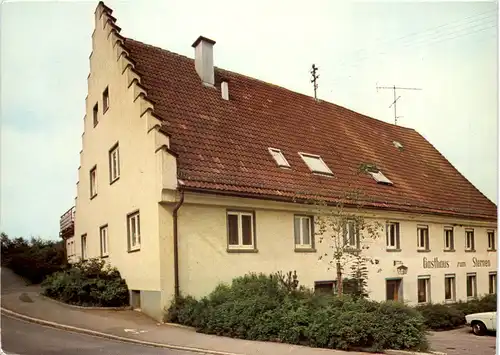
[(22, 338)]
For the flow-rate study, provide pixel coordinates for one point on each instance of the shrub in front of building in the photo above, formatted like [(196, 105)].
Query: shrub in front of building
[(88, 283), (275, 308)]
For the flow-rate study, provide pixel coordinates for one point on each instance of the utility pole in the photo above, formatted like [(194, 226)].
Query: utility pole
[(314, 79), (394, 103)]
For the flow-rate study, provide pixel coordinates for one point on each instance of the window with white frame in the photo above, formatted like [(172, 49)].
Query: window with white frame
[(380, 178), (103, 232), (105, 100), (392, 236), (303, 232), (449, 239), (84, 246), (471, 285), (492, 245), (315, 163), (449, 287), (492, 282), (351, 234), (279, 158), (93, 182), (424, 289), (469, 239), (240, 230), (134, 231), (423, 238), (114, 163)]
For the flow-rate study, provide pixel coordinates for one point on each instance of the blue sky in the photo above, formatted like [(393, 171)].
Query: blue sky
[(449, 49)]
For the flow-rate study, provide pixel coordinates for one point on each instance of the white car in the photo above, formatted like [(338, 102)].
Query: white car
[(482, 322)]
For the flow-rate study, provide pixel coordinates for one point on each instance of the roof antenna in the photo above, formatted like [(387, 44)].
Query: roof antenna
[(314, 80), (394, 88)]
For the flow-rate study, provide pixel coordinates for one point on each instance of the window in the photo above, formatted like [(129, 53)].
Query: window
[(134, 231), (351, 235), (379, 177), (105, 100), (240, 230), (95, 113), (471, 285), (469, 239), (492, 278), (325, 286), (449, 287), (114, 163), (392, 235), (279, 158), (449, 240), (491, 240), (397, 145), (303, 232), (84, 247), (424, 289), (93, 182), (315, 163), (422, 238), (103, 232)]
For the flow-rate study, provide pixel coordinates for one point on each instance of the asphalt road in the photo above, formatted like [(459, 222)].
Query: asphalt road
[(22, 338)]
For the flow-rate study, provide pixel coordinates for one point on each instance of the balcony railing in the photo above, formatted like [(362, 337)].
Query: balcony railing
[(67, 223)]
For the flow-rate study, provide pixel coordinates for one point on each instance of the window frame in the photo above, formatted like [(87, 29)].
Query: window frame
[(136, 217), (105, 100), (426, 246), (473, 285), (453, 288), (472, 247), (95, 114), (104, 253), (490, 246), (83, 244), (273, 151), (240, 247), (314, 156), (397, 238), (114, 149), (347, 237), (427, 278), (452, 239), (490, 283), (301, 246), (93, 182)]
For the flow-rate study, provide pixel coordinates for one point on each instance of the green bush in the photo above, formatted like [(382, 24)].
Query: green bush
[(88, 283), (33, 259), (260, 307)]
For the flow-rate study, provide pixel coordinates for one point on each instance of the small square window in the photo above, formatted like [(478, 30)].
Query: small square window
[(134, 231), (105, 100), (392, 236), (449, 239), (103, 232), (240, 229), (422, 238), (303, 232), (95, 114), (279, 158), (492, 245), (114, 164), (469, 240), (93, 182), (315, 163)]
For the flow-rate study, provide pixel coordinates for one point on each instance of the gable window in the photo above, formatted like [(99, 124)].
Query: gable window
[(240, 230), (449, 287), (392, 236), (471, 285), (449, 239), (303, 234), (422, 238), (93, 182), (84, 246), (95, 113), (424, 289), (114, 163), (103, 232), (492, 278), (351, 235), (492, 245), (105, 100), (134, 231), (279, 158), (469, 240), (315, 163)]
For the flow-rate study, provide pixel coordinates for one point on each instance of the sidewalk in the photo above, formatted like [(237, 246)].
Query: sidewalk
[(129, 324)]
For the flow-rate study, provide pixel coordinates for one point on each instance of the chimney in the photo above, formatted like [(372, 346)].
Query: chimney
[(224, 88), (204, 59)]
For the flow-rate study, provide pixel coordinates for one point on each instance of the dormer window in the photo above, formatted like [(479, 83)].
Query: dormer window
[(380, 178), (315, 163), (279, 158)]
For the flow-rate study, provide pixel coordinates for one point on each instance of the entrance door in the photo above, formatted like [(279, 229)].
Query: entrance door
[(393, 289)]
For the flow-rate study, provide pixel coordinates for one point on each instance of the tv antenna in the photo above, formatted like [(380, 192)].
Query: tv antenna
[(314, 79), (394, 88)]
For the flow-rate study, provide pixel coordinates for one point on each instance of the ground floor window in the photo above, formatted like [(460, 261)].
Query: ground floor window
[(492, 282), (325, 286), (84, 247), (424, 287), (471, 285), (449, 287), (393, 289)]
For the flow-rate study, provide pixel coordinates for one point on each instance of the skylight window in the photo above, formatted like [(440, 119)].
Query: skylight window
[(279, 158), (380, 178), (397, 145), (315, 163)]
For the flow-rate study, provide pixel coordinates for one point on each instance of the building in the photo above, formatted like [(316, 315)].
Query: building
[(191, 175)]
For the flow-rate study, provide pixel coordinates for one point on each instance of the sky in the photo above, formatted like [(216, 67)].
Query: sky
[(448, 49)]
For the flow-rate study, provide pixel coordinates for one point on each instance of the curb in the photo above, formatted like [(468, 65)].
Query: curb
[(125, 308), (405, 352), (13, 314)]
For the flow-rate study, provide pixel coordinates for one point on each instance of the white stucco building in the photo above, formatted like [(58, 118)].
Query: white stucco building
[(191, 175)]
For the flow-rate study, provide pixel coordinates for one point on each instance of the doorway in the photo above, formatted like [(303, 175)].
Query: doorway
[(394, 290)]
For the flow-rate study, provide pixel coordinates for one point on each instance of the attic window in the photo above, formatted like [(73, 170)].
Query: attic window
[(279, 158), (397, 145), (315, 163), (380, 177)]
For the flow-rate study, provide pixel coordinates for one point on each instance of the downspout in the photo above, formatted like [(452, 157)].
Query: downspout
[(176, 245)]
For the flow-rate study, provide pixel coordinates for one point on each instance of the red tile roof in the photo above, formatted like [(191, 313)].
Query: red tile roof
[(222, 146)]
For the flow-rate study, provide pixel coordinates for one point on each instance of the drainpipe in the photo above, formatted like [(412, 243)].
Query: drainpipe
[(176, 245)]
